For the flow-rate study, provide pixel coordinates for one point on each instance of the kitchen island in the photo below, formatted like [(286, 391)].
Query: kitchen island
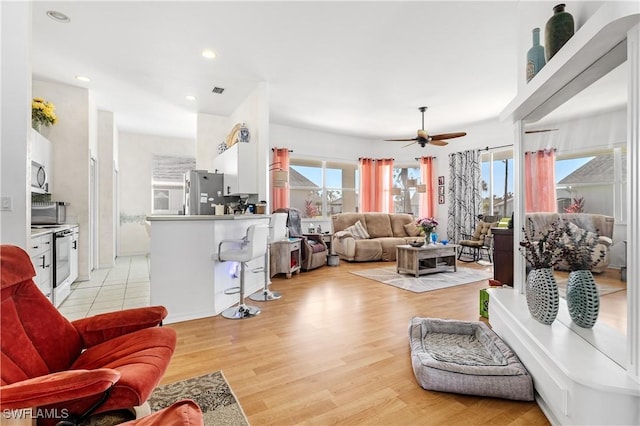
[(186, 276)]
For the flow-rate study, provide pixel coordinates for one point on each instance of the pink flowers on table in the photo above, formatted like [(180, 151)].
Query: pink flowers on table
[(427, 224)]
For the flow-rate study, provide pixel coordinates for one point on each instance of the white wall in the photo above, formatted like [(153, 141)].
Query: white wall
[(135, 169), (15, 179), (107, 141), (70, 141)]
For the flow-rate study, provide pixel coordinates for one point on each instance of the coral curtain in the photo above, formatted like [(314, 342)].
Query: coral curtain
[(427, 204), (376, 180), (279, 195), (540, 181), (465, 200)]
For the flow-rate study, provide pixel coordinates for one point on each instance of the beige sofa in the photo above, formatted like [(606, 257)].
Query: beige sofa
[(596, 223), (385, 231)]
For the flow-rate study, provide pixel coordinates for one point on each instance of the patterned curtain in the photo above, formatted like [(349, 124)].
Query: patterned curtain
[(279, 194), (465, 200), (427, 204), (540, 181), (376, 181)]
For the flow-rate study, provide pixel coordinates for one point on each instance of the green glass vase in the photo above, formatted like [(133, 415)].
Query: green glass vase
[(558, 30)]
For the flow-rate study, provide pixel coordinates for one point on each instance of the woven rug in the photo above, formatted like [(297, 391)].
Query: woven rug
[(211, 392), (388, 275)]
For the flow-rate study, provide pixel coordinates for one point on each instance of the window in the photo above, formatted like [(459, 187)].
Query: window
[(593, 183), (320, 188), (497, 183), (408, 200), (167, 184)]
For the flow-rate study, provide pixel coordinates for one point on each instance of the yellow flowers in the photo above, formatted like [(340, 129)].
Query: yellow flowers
[(42, 113)]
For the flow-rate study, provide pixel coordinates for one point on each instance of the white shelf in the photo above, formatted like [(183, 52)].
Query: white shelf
[(596, 48), (568, 373)]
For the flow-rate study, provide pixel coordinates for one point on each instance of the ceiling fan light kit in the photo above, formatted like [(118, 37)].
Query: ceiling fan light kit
[(423, 138)]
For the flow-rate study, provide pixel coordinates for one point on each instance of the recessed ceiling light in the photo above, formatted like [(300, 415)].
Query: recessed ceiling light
[(83, 78), (58, 16), (209, 54), (190, 98)]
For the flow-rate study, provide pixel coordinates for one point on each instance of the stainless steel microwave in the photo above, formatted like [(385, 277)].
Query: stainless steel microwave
[(39, 181)]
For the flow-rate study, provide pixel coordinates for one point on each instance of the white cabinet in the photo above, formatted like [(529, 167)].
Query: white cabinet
[(41, 253), (239, 164), (41, 154)]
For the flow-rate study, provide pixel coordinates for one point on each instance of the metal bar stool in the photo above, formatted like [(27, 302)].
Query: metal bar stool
[(252, 246), (277, 232)]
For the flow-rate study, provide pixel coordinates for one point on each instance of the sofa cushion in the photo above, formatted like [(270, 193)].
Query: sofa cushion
[(341, 221), (412, 230), (398, 223), (378, 225), (367, 250), (388, 245), (358, 231)]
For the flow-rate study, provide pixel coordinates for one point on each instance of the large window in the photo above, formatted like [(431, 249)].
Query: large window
[(497, 183), (406, 199), (593, 183), (322, 188)]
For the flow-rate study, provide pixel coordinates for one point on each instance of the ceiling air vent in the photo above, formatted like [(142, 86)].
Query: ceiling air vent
[(218, 90)]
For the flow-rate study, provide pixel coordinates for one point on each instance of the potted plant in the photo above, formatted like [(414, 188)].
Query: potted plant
[(428, 225), (580, 253), (541, 249)]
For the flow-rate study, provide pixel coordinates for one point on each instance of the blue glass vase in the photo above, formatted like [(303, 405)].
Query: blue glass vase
[(535, 56)]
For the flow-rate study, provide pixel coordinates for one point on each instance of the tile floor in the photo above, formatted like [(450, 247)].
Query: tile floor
[(124, 286)]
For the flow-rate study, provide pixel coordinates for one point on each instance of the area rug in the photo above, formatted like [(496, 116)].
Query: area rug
[(437, 281), (211, 392)]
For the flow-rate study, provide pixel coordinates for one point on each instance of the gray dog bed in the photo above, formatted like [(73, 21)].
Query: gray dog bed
[(466, 357)]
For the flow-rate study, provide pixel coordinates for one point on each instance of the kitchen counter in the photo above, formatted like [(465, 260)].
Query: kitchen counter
[(38, 230), (204, 217), (186, 276)]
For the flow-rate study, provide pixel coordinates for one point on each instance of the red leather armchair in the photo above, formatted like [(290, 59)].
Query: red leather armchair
[(74, 369)]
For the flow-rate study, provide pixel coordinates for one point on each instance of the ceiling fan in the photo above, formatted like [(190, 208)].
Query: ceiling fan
[(424, 138)]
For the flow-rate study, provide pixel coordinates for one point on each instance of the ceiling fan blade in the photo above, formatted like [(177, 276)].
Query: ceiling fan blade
[(541, 131), (438, 142), (448, 136), (409, 144), (402, 140)]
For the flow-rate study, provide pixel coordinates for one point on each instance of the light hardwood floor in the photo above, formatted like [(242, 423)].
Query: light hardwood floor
[(335, 350)]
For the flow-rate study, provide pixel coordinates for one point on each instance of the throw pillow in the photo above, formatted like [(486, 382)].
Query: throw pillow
[(412, 229), (358, 231)]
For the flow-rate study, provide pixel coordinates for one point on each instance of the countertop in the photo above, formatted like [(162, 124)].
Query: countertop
[(201, 217), (38, 230)]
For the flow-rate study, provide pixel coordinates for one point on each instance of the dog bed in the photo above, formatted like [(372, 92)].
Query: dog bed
[(467, 358)]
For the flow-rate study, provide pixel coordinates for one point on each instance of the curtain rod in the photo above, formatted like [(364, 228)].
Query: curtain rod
[(376, 159), (418, 158), (273, 149), (494, 147)]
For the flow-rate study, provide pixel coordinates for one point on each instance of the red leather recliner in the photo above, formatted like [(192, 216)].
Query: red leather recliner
[(102, 363)]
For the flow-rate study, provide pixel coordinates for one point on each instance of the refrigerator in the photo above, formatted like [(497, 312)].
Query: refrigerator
[(202, 191)]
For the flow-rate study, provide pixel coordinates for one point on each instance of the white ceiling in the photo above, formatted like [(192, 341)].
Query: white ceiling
[(356, 68)]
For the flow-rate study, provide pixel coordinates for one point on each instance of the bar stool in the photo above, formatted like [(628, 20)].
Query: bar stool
[(277, 232), (252, 246)]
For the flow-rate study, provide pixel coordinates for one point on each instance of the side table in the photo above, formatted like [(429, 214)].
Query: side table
[(286, 256)]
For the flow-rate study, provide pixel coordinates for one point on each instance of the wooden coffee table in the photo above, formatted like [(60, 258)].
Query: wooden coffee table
[(427, 259)]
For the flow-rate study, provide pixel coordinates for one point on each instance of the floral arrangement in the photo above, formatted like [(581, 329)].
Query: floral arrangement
[(42, 113), (579, 248), (427, 224), (541, 249)]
